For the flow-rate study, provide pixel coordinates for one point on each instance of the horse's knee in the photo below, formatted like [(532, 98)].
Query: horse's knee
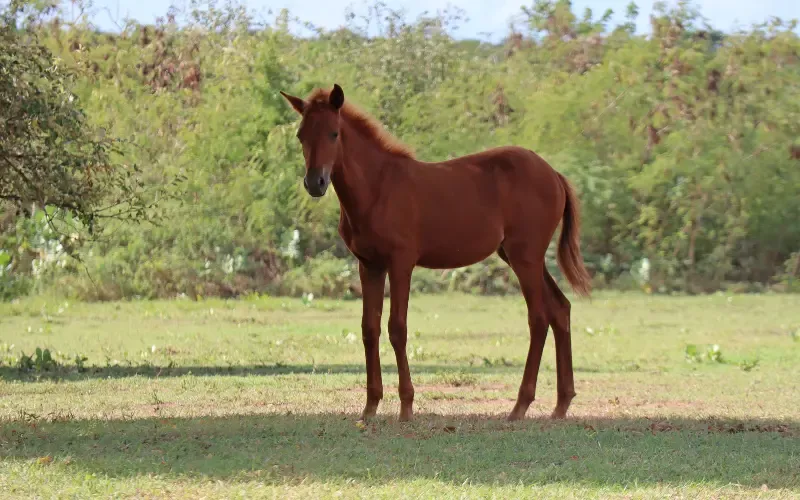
[(370, 335), (398, 332)]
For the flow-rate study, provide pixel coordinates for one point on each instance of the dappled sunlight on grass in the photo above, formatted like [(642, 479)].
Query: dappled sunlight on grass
[(261, 396)]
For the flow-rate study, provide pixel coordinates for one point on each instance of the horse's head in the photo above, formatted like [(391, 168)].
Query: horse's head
[(319, 135)]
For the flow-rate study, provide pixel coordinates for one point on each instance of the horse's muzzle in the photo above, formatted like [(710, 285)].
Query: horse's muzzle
[(316, 182)]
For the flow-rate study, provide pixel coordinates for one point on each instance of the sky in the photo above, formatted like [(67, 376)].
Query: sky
[(484, 16)]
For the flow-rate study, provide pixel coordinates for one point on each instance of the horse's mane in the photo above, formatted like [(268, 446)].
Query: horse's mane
[(365, 124)]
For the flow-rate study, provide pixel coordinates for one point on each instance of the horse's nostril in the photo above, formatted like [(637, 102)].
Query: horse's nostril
[(321, 182)]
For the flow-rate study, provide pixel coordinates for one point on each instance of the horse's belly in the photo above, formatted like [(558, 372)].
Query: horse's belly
[(452, 260), (450, 253)]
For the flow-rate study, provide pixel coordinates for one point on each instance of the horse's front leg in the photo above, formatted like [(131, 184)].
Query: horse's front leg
[(372, 285), (399, 286)]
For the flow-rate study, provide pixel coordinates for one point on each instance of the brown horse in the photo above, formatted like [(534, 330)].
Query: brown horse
[(398, 213)]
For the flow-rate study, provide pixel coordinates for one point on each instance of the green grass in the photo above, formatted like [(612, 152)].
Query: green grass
[(260, 397)]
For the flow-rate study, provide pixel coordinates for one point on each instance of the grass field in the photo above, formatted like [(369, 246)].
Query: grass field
[(260, 397)]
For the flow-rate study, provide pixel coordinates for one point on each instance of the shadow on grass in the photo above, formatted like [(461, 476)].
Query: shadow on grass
[(321, 447), (152, 371)]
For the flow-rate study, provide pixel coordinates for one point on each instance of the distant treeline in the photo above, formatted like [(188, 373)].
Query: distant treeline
[(684, 146)]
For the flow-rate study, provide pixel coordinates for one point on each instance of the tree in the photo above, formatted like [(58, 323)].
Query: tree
[(50, 156)]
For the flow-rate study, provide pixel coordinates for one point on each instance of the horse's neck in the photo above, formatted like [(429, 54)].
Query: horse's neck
[(358, 174)]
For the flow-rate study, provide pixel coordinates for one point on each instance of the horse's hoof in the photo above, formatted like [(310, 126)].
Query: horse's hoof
[(369, 412)]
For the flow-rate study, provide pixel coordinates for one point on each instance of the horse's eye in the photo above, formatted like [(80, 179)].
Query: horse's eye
[(334, 135)]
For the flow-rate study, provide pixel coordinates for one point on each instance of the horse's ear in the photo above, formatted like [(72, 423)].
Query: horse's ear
[(336, 98), (298, 104)]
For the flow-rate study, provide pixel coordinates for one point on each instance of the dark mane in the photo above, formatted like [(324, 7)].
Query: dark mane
[(365, 124)]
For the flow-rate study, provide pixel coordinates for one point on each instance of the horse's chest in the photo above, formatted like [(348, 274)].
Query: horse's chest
[(366, 245)]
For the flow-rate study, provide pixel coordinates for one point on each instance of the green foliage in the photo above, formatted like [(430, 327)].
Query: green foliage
[(325, 276), (458, 378), (749, 364), (43, 362), (682, 145), (40, 361), (713, 354), (50, 153)]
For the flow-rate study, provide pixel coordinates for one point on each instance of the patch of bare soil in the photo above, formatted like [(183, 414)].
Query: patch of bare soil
[(443, 388), (450, 388)]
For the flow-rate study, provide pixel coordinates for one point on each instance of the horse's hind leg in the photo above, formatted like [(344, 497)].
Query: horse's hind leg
[(528, 269), (558, 311)]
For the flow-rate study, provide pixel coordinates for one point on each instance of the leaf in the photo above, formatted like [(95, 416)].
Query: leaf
[(5, 259)]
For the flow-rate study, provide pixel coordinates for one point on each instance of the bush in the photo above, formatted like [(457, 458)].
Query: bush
[(692, 174)]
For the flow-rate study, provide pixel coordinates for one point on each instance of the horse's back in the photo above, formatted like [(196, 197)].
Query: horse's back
[(529, 191), (465, 207), (516, 170)]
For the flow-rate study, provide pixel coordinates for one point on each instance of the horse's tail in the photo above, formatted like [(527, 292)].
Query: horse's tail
[(569, 251)]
